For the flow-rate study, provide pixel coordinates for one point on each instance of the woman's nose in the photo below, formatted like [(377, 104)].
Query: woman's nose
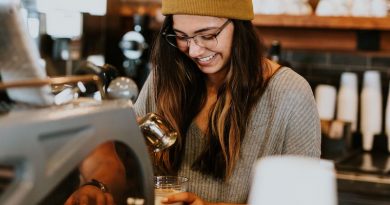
[(194, 50)]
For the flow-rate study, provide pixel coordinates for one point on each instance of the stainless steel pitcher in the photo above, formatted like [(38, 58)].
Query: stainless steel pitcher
[(157, 131)]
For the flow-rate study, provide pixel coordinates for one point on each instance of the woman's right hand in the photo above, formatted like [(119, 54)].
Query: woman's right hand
[(90, 195)]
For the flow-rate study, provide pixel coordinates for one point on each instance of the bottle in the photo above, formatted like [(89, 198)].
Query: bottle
[(275, 54)]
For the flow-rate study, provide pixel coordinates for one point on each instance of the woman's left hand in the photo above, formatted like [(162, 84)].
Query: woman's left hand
[(186, 197)]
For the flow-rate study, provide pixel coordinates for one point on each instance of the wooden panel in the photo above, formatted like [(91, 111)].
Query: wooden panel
[(385, 41), (141, 1), (295, 32), (310, 39), (113, 7), (130, 10), (312, 21)]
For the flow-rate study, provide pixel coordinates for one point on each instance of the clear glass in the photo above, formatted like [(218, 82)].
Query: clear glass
[(167, 185)]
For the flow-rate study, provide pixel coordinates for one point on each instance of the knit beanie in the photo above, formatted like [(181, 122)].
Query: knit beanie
[(232, 9)]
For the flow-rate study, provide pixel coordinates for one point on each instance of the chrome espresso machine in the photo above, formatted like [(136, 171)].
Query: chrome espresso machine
[(48, 127), (41, 148)]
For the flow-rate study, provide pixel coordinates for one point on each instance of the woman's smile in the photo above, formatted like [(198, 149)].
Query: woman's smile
[(204, 61)]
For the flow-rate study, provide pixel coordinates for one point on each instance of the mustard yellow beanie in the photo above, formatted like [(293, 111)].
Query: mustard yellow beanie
[(232, 9)]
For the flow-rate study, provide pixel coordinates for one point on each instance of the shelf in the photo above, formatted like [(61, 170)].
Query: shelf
[(352, 34), (306, 32), (141, 1), (312, 21)]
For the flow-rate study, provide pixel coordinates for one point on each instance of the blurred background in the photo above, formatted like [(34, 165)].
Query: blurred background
[(319, 39), (342, 48)]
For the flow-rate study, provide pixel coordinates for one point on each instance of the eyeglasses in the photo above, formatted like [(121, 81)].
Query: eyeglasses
[(202, 40)]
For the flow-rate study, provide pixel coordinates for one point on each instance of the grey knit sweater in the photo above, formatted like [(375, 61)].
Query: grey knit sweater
[(284, 121)]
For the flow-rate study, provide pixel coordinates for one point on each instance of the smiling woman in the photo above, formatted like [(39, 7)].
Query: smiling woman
[(206, 40), (229, 104)]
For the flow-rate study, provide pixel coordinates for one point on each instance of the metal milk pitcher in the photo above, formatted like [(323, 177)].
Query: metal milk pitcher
[(157, 131)]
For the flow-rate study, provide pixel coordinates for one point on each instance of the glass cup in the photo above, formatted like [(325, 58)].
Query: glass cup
[(157, 131), (167, 185)]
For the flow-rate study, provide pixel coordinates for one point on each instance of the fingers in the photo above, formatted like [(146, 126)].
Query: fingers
[(186, 197), (109, 199), (69, 201), (101, 199), (105, 199), (83, 199)]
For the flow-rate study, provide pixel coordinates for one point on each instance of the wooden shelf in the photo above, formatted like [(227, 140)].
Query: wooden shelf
[(141, 1), (312, 21), (301, 32), (324, 33)]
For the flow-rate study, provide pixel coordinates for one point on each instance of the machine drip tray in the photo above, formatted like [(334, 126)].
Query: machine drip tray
[(364, 178), (377, 163)]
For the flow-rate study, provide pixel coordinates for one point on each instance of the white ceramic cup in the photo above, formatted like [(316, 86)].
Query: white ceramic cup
[(379, 8), (361, 8), (281, 180), (168, 185), (333, 8)]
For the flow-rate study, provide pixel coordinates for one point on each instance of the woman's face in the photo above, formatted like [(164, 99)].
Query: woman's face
[(209, 51)]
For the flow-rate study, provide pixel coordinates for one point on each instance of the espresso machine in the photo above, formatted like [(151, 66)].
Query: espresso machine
[(48, 128), (41, 148), (135, 47)]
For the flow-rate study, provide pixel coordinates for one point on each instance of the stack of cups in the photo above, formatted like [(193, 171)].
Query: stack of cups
[(375, 8), (347, 99), (325, 96), (371, 108), (361, 8), (378, 8), (387, 121)]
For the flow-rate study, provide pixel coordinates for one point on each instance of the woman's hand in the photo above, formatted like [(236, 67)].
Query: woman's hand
[(90, 195), (186, 197)]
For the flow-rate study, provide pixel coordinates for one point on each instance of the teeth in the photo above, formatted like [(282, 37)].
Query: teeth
[(206, 58)]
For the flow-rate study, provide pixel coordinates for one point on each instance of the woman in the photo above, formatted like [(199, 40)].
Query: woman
[(230, 105)]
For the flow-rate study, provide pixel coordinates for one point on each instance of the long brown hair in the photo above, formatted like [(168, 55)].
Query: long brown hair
[(180, 93)]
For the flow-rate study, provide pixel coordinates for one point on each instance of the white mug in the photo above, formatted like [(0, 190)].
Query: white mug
[(379, 8), (281, 180), (361, 8)]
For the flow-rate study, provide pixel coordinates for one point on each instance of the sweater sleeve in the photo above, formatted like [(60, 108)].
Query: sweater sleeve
[(145, 102), (303, 134)]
